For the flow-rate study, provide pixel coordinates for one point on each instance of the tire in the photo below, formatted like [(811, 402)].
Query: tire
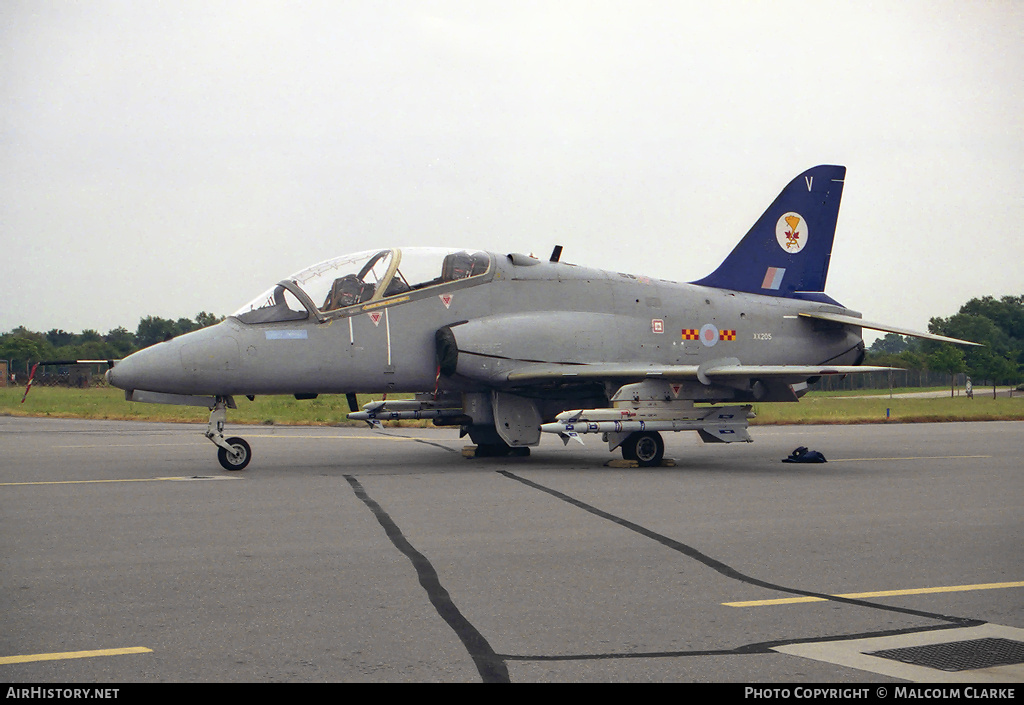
[(646, 448), (235, 463)]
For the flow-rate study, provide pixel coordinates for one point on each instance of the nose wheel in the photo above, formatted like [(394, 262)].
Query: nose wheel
[(233, 453), (237, 458)]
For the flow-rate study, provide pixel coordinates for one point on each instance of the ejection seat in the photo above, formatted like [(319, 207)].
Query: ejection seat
[(460, 265), (347, 290)]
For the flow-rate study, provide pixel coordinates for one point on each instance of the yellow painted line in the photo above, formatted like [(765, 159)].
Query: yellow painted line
[(128, 445), (93, 482), (60, 656), (880, 593), (912, 457), (331, 438), (247, 435)]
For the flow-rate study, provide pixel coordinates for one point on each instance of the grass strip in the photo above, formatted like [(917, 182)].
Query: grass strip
[(330, 409)]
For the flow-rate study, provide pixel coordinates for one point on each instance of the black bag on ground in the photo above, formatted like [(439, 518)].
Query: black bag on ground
[(802, 455)]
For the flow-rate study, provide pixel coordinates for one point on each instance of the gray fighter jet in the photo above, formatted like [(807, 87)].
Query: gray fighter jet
[(508, 347)]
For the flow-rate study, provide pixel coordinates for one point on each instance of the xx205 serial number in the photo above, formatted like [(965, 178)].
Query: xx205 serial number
[(762, 336)]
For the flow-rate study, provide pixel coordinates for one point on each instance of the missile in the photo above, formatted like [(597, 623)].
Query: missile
[(718, 423), (586, 426), (388, 415)]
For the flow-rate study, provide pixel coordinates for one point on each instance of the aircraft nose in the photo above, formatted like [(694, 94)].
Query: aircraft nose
[(201, 362), (156, 368)]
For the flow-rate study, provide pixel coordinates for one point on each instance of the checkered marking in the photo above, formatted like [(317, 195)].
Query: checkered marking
[(711, 334)]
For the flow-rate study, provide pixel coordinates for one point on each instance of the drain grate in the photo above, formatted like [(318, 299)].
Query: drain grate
[(959, 655)]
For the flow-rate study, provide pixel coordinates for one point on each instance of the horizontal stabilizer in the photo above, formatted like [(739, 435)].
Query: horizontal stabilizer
[(854, 321), (108, 363)]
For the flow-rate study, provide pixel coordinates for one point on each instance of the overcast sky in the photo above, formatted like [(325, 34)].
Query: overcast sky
[(167, 158)]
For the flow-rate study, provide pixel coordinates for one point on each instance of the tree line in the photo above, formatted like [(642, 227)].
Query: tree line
[(998, 324), (23, 347)]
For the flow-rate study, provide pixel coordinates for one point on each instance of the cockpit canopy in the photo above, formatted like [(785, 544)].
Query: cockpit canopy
[(360, 279)]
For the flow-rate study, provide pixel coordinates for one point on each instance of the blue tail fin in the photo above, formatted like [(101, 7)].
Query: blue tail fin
[(787, 251)]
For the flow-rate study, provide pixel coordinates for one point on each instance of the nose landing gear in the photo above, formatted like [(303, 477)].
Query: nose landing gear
[(233, 453), (237, 458)]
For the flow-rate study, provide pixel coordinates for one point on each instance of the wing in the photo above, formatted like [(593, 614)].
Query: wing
[(724, 369)]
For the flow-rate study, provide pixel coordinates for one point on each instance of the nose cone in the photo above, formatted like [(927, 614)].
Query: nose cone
[(155, 369), (202, 362)]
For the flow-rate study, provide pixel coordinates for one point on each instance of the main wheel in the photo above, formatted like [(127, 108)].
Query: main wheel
[(241, 457), (646, 448)]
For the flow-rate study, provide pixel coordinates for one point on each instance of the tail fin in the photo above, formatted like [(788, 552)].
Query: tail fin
[(787, 251)]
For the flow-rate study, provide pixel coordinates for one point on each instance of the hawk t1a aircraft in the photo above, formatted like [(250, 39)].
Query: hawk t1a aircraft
[(508, 347)]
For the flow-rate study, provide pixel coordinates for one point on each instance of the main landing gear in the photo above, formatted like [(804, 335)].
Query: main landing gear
[(647, 448), (233, 453)]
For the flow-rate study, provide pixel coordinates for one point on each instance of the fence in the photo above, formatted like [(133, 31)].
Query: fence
[(885, 380), (65, 375)]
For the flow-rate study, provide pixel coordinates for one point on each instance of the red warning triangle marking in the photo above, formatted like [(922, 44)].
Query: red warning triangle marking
[(375, 317), (446, 299)]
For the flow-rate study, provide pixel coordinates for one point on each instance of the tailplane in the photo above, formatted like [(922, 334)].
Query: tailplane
[(787, 251)]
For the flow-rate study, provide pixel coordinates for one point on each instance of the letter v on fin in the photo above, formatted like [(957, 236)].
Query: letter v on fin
[(809, 180)]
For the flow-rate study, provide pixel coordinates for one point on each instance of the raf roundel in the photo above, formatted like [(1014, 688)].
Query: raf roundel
[(791, 232), (709, 335)]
